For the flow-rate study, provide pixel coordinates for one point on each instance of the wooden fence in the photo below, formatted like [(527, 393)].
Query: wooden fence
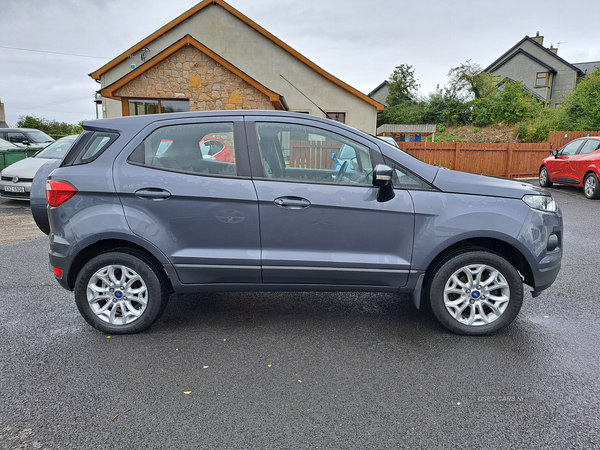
[(313, 154), (512, 160), (560, 138)]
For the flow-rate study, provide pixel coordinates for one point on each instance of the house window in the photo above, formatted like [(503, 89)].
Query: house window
[(541, 79), (145, 106), (337, 116)]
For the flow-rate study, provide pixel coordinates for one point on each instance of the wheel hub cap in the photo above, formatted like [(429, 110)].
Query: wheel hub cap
[(476, 295), (117, 294)]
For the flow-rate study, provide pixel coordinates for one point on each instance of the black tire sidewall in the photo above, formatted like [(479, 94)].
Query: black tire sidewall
[(596, 193), (435, 290), (157, 294), (548, 183)]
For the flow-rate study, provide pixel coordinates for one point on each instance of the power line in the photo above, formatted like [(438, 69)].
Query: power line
[(53, 103), (53, 53)]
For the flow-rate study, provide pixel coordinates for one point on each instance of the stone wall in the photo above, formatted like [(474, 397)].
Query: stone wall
[(190, 74)]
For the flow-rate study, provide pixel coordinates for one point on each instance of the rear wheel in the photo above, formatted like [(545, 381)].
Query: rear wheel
[(590, 186), (119, 292), (544, 178), (475, 293)]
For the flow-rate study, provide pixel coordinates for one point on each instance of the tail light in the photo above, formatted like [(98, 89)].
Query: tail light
[(58, 192)]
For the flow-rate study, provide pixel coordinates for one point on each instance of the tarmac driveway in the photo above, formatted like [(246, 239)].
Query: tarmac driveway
[(301, 370)]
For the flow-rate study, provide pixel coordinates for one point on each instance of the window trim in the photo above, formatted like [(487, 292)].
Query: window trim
[(256, 155), (240, 155), (545, 78)]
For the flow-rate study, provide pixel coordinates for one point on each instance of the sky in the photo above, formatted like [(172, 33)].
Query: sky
[(48, 48)]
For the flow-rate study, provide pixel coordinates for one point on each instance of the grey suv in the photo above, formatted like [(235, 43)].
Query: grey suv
[(135, 212)]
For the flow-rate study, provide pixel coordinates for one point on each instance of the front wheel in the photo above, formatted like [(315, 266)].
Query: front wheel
[(120, 293), (475, 293), (544, 178), (590, 186)]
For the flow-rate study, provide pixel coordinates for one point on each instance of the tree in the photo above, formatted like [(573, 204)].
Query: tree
[(581, 109), (51, 127), (470, 80), (403, 85)]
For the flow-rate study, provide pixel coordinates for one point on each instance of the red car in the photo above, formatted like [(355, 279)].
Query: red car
[(576, 164), (215, 149)]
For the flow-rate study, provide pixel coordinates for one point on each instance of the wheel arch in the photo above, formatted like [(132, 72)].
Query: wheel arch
[(497, 246), (114, 245)]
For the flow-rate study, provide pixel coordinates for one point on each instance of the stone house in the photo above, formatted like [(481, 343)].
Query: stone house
[(540, 69), (213, 57)]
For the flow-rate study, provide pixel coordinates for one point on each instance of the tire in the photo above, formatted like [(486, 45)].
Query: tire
[(544, 177), (120, 293), (475, 293), (590, 186)]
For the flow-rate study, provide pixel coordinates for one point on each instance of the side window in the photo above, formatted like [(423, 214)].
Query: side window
[(404, 179), (17, 137), (303, 153), (590, 145), (88, 147), (206, 148), (570, 148)]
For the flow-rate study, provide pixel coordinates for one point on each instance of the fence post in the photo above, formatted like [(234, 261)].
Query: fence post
[(509, 160), (457, 156)]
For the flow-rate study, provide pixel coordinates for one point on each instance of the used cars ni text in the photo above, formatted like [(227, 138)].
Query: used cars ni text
[(129, 224)]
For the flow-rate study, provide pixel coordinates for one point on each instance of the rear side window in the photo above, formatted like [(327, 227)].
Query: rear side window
[(202, 148), (89, 146)]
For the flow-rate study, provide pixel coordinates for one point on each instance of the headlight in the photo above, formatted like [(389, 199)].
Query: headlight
[(541, 202)]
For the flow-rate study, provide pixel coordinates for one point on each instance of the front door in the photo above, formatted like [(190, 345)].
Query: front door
[(319, 218)]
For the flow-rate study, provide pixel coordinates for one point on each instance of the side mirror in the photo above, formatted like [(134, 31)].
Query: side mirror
[(555, 153), (382, 178), (332, 156)]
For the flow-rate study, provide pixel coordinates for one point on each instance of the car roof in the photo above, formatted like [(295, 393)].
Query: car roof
[(19, 129), (139, 122)]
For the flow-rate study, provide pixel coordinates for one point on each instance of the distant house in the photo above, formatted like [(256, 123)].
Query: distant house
[(540, 69), (381, 92), (213, 57)]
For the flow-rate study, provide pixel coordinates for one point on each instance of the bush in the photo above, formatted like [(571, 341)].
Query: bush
[(51, 127)]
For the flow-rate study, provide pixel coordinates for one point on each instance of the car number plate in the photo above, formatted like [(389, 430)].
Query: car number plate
[(14, 189)]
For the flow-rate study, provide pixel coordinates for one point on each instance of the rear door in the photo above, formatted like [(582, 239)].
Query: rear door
[(202, 213), (320, 224)]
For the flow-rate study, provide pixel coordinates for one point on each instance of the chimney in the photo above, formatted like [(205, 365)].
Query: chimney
[(539, 39), (553, 50), (2, 116)]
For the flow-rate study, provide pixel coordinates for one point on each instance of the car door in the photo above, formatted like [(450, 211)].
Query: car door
[(203, 214), (559, 168), (321, 225), (586, 157)]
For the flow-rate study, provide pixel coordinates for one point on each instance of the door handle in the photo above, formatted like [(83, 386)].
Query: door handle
[(153, 193), (292, 202)]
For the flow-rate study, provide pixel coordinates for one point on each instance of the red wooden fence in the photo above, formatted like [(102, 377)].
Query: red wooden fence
[(512, 160), (560, 138), (313, 154)]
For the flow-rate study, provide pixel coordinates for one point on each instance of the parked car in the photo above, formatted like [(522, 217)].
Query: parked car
[(5, 145), (26, 136), (390, 140), (16, 179), (576, 164), (129, 227), (216, 149)]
